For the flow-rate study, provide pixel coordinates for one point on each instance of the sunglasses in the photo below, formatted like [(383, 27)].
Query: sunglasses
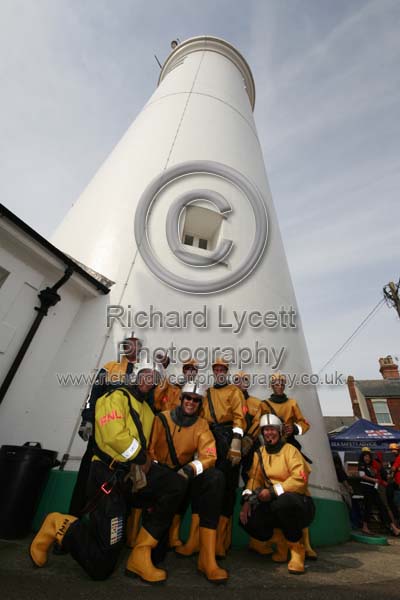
[(196, 399)]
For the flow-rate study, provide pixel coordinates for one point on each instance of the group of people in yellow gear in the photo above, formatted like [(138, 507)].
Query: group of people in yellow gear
[(156, 447)]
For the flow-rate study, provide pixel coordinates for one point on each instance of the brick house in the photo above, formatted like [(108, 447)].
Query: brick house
[(378, 400)]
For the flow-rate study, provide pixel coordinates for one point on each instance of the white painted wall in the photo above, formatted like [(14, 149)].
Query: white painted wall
[(35, 407)]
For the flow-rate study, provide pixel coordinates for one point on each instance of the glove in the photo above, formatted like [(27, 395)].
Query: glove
[(163, 359), (289, 429), (182, 473), (85, 430), (136, 477), (234, 453), (186, 472), (247, 443), (267, 494)]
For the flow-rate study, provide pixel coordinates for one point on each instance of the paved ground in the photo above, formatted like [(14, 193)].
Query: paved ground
[(352, 570)]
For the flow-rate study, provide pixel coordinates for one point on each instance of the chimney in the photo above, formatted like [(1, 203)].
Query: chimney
[(388, 368), (353, 397)]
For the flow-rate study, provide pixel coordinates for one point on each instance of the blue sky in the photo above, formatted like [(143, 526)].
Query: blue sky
[(74, 74)]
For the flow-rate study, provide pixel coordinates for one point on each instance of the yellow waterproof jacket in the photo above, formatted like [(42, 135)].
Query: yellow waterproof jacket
[(116, 371), (287, 470), (194, 444), (115, 431), (252, 404), (250, 410), (112, 374), (228, 403), (166, 396), (115, 374), (289, 413)]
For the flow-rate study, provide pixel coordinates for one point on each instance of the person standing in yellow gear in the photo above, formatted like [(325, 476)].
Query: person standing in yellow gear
[(252, 404), (122, 427), (294, 423), (224, 409), (182, 440), (287, 409), (277, 504), (167, 395)]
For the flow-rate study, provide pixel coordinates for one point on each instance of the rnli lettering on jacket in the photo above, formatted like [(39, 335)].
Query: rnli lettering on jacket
[(115, 431)]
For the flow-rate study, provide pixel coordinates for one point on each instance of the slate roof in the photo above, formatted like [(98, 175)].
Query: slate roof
[(100, 282), (379, 388), (335, 424)]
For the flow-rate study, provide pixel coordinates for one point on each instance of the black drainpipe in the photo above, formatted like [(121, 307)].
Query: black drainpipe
[(48, 298)]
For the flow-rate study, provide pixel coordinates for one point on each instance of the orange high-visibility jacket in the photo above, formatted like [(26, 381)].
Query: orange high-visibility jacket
[(289, 413), (286, 468), (194, 444), (228, 402), (166, 396)]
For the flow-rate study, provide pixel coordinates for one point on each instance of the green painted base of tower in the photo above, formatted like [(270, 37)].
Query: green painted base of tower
[(331, 524)]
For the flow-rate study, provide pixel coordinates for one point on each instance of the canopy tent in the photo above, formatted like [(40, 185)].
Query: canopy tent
[(364, 433)]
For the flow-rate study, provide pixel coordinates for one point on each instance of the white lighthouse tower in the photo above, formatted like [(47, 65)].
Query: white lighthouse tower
[(180, 217)]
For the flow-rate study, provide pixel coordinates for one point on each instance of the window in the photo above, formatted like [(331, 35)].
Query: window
[(382, 412), (3, 275), (189, 239), (201, 227), (203, 244)]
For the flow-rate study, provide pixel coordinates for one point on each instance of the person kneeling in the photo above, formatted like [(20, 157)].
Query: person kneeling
[(276, 504), (121, 475)]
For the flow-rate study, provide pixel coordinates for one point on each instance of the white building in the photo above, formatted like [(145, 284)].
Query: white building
[(34, 328)]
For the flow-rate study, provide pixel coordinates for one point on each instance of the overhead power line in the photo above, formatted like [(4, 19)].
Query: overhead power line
[(353, 335)]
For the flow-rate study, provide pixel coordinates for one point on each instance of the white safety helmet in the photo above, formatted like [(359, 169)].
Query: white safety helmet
[(194, 387), (148, 366), (271, 421)]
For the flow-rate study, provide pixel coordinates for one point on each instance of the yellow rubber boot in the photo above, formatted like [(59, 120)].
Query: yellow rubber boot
[(297, 556), (133, 526), (139, 561), (310, 553), (53, 529), (207, 563), (281, 553), (192, 544), (222, 528), (260, 547), (173, 536)]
